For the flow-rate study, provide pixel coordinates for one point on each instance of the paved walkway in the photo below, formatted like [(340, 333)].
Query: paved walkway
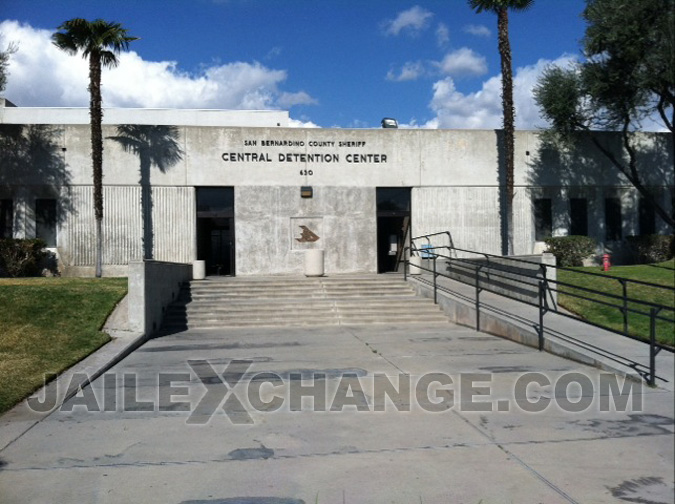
[(582, 341), (259, 451)]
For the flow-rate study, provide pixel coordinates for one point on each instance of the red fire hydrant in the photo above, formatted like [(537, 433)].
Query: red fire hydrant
[(606, 264)]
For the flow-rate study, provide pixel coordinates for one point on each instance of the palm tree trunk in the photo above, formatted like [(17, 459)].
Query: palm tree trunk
[(146, 207), (96, 118), (509, 120)]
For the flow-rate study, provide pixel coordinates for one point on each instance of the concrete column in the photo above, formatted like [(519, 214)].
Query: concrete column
[(560, 209)]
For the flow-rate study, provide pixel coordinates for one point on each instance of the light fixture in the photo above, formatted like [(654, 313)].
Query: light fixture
[(389, 122)]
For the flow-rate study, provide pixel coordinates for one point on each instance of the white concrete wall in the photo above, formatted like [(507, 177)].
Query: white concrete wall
[(267, 221), (153, 286)]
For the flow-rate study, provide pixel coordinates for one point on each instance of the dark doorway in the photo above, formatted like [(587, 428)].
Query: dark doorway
[(393, 227), (215, 229)]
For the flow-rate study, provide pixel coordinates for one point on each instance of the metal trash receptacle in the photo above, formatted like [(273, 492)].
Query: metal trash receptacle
[(199, 270)]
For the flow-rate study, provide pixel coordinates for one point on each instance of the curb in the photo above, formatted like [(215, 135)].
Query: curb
[(20, 419)]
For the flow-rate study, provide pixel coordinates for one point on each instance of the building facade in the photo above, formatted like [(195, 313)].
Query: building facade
[(248, 194)]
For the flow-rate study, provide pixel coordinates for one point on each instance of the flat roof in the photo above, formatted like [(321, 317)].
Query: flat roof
[(170, 117)]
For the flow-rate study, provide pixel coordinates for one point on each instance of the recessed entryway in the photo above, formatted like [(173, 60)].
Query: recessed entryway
[(215, 229), (393, 227)]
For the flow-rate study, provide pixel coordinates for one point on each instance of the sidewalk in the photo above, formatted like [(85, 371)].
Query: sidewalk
[(566, 337), (20, 419), (461, 441)]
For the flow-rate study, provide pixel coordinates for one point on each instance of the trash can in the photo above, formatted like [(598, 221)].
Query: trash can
[(314, 262), (415, 263), (199, 270)]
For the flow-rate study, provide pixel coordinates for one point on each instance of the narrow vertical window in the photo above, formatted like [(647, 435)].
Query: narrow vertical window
[(45, 221), (613, 219), (6, 218), (578, 216), (543, 219), (647, 217)]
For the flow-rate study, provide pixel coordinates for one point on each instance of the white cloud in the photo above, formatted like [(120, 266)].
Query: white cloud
[(463, 63), (288, 100), (442, 35), (411, 21), (274, 52), (42, 75), (483, 109), (297, 123), (477, 30), (412, 70), (460, 63)]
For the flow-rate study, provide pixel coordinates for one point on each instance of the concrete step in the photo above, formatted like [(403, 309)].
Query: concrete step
[(226, 318), (363, 314), (196, 286), (302, 323), (214, 323), (301, 279), (394, 320), (197, 315), (216, 302), (304, 307), (300, 283), (299, 301), (248, 323), (295, 295)]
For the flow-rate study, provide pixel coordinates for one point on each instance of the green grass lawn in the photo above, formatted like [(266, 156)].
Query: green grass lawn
[(661, 273), (47, 325)]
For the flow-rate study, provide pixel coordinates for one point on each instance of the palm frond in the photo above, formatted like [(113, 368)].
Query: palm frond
[(105, 38), (497, 5)]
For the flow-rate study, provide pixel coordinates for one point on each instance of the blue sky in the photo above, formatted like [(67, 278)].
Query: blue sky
[(331, 63)]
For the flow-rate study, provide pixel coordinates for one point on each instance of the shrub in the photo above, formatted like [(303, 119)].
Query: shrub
[(651, 248), (571, 250), (20, 258)]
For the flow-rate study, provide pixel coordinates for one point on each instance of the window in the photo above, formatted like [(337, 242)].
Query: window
[(45, 221), (6, 218), (215, 201), (613, 219), (647, 217), (578, 216), (393, 199), (543, 219)]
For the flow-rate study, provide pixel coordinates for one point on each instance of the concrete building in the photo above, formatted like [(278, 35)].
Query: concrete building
[(248, 194)]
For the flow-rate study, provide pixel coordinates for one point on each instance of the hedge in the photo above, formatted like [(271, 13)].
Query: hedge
[(651, 248), (20, 258), (571, 250)]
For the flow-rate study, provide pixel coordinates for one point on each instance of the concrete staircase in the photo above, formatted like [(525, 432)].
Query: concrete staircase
[(220, 302)]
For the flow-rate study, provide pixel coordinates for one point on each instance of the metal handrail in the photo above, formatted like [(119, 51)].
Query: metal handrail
[(565, 284), (565, 268), (488, 272), (427, 236)]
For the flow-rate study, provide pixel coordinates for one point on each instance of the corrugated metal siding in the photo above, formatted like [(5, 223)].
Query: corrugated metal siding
[(471, 214), (173, 219)]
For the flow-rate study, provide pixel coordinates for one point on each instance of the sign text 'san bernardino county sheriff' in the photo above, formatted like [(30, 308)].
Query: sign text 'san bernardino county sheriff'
[(316, 157)]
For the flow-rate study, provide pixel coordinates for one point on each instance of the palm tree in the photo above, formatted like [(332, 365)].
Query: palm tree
[(501, 8), (154, 145), (100, 42)]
